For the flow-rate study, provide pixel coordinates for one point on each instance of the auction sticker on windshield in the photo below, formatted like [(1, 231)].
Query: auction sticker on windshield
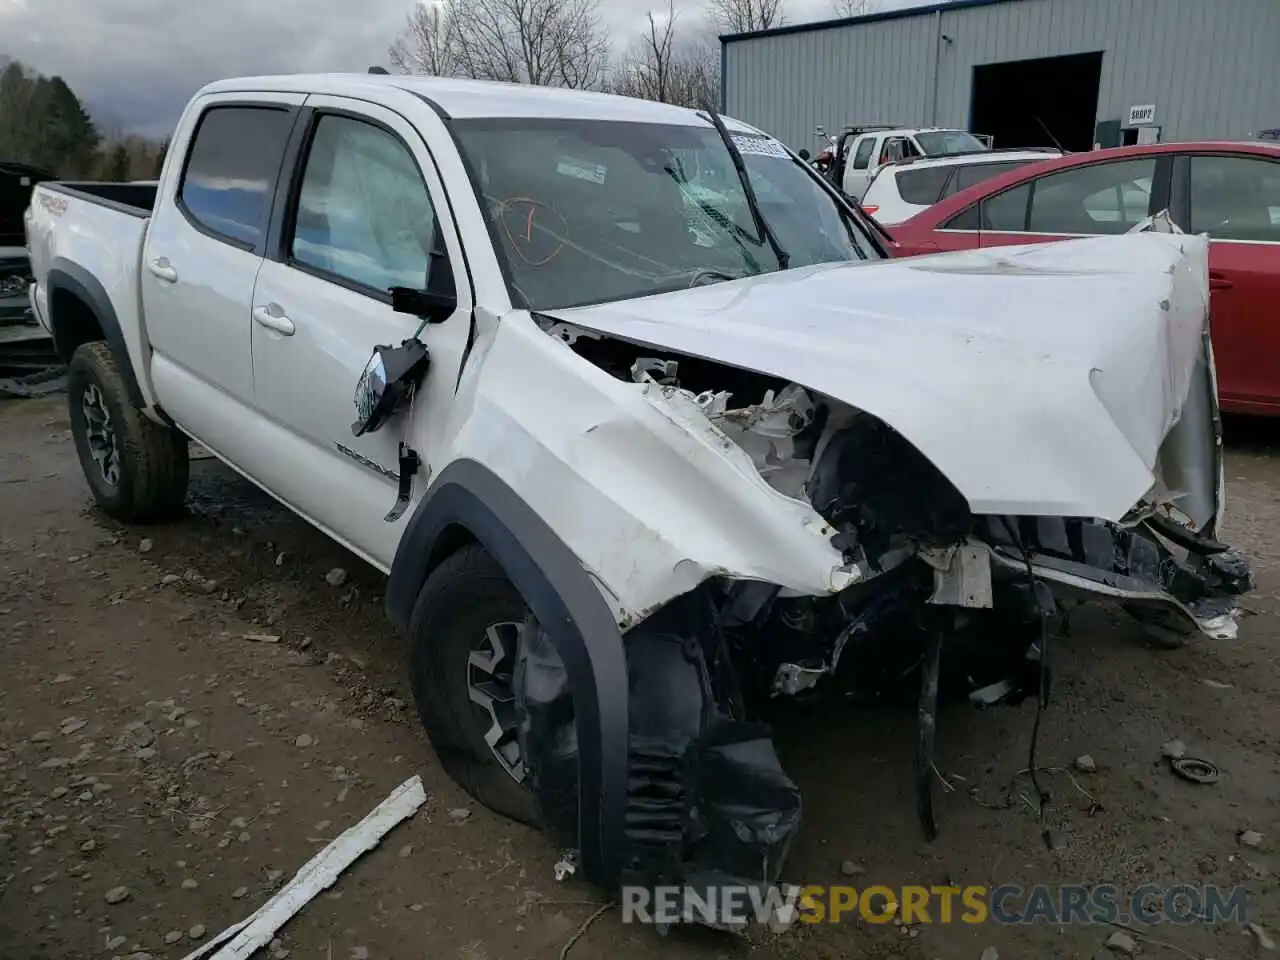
[(762, 146), (581, 169)]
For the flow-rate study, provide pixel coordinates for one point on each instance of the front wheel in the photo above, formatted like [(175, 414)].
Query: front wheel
[(137, 468), (465, 633)]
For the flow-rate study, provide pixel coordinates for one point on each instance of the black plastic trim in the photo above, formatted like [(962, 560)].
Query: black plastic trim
[(258, 248), (567, 603), (74, 279)]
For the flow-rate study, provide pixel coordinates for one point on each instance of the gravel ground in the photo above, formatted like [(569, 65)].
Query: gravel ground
[(189, 712)]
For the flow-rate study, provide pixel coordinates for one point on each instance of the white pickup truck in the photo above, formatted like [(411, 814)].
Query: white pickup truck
[(645, 429)]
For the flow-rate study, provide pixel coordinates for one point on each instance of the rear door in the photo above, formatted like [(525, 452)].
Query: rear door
[(203, 249), (1236, 201)]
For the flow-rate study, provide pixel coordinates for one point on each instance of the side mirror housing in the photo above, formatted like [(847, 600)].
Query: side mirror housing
[(387, 384)]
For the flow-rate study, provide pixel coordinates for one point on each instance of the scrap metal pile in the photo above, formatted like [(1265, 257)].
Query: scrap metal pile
[(29, 366)]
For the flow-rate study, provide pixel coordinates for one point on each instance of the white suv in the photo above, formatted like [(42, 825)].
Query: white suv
[(903, 189)]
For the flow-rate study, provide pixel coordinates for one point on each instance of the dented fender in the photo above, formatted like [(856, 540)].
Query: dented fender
[(648, 494)]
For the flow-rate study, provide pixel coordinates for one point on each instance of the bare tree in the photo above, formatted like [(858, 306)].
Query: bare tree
[(854, 8), (549, 42), (744, 16), (429, 44), (666, 66)]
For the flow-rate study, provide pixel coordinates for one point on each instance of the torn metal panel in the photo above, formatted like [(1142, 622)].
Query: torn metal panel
[(245, 938), (651, 496)]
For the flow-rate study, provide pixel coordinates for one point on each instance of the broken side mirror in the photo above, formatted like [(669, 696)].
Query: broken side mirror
[(387, 383)]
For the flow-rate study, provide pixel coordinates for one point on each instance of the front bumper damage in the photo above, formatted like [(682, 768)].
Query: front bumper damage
[(863, 505)]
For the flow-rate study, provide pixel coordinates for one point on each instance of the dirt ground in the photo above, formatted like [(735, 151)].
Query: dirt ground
[(147, 743)]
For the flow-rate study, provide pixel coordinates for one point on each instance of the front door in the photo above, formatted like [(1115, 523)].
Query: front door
[(1236, 200), (859, 166), (368, 212)]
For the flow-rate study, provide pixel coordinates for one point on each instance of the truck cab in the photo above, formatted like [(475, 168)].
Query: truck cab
[(863, 149)]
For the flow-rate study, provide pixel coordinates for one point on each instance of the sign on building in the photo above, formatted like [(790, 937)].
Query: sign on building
[(1142, 115)]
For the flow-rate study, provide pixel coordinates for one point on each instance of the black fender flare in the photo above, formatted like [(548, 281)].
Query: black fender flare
[(567, 603), (66, 276)]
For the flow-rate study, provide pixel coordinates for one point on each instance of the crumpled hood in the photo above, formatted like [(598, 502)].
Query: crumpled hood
[(1041, 380)]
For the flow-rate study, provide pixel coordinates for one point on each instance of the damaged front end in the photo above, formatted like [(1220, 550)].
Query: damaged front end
[(941, 603), (924, 571)]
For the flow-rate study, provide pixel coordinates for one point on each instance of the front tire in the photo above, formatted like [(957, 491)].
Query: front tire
[(137, 468), (465, 631)]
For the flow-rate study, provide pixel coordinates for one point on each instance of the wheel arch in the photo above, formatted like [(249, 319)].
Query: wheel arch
[(469, 503), (79, 312)]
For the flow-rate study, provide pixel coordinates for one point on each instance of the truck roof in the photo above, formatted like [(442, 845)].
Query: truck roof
[(473, 99)]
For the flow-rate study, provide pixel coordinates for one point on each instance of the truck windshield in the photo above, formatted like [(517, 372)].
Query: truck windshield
[(583, 211), (940, 143)]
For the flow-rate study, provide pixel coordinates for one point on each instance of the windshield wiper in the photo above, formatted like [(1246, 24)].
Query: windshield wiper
[(762, 225)]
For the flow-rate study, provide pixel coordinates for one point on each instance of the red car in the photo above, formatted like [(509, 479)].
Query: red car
[(1229, 190)]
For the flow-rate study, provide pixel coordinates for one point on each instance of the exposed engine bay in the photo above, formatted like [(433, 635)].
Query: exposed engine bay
[(940, 602)]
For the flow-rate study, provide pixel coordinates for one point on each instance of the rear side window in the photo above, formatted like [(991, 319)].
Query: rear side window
[(231, 171), (923, 186), (861, 158), (973, 173)]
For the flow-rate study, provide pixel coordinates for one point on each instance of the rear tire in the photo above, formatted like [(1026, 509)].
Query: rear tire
[(465, 603), (137, 468)]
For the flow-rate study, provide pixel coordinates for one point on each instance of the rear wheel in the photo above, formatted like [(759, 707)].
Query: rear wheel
[(137, 468), (465, 630)]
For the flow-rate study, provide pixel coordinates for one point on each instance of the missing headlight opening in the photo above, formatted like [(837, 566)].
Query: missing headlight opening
[(931, 603)]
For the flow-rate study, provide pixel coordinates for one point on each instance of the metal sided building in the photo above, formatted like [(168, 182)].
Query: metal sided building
[(1074, 73)]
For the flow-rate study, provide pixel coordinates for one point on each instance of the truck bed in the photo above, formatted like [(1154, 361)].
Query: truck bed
[(136, 199)]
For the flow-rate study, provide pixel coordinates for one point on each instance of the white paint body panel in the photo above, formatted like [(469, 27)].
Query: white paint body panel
[(106, 243), (1040, 380)]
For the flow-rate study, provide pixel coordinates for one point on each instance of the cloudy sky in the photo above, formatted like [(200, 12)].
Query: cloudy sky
[(136, 62)]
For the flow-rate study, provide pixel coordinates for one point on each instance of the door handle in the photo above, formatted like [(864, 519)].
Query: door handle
[(1218, 282), (161, 270), (273, 321)]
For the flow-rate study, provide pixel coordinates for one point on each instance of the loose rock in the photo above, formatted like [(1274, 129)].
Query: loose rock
[(1121, 942), (459, 814), (336, 577), (189, 884), (1173, 750), (1086, 764), (851, 869), (116, 942), (239, 892), (173, 936), (406, 851), (196, 932), (991, 953), (305, 740), (1250, 838), (117, 895), (145, 545), (58, 792)]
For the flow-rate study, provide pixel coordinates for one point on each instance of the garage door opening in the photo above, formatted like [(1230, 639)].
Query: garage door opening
[(1051, 101)]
